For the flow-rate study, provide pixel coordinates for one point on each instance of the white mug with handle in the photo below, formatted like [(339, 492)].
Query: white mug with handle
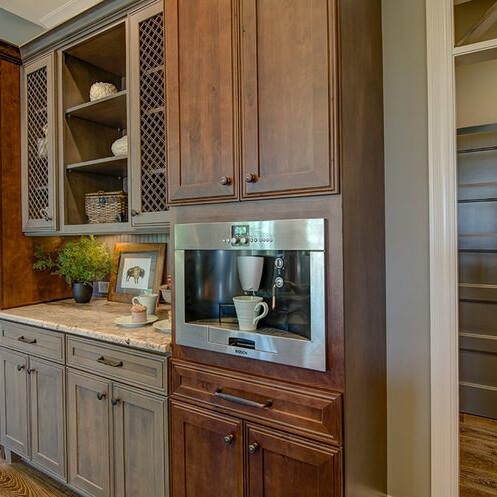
[(247, 310)]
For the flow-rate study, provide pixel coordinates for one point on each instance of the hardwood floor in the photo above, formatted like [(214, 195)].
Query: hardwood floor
[(478, 456), (20, 480)]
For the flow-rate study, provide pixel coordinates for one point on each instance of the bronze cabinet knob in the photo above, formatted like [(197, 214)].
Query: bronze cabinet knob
[(228, 439), (250, 178), (134, 213), (225, 180), (20, 367), (114, 402), (253, 447), (101, 395)]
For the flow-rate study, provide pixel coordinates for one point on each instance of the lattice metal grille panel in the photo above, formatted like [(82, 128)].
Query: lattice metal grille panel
[(37, 131), (152, 110)]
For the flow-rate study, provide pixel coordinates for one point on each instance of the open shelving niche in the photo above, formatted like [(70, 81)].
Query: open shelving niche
[(89, 128), (477, 210)]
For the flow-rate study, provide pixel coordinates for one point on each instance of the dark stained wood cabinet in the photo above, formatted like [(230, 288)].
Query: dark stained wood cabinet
[(218, 456), (252, 105), (201, 100), (206, 453), (288, 105), (283, 466)]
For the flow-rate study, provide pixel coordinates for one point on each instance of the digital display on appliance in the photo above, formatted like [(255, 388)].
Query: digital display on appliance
[(240, 230)]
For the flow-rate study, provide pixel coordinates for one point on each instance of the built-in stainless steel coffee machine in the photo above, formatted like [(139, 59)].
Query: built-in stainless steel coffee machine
[(281, 261)]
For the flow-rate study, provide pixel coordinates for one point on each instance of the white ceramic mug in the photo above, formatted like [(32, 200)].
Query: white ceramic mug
[(247, 308), (250, 271), (147, 299)]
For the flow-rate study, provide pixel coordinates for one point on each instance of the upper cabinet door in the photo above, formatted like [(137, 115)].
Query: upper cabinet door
[(201, 100), (147, 117), (38, 146), (289, 97)]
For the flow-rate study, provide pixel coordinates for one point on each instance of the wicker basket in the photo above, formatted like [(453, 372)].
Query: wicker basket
[(106, 207)]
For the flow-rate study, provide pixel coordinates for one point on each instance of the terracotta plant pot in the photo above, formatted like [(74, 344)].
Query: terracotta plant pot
[(82, 293)]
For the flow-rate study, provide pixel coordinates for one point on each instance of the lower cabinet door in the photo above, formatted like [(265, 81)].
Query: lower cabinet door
[(89, 434), (47, 408), (139, 443), (207, 455), (280, 465), (14, 402)]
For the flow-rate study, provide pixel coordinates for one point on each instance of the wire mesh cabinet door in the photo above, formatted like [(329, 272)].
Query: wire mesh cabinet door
[(147, 104), (38, 146)]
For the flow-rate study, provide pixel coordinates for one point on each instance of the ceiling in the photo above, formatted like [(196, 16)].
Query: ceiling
[(39, 15)]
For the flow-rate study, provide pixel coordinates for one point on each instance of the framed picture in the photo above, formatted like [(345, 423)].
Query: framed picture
[(137, 267)]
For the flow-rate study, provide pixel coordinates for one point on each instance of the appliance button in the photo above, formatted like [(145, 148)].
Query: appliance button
[(244, 240), (235, 240), (255, 239)]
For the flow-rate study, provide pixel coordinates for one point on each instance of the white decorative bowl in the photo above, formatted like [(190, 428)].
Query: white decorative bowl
[(101, 90), (120, 146)]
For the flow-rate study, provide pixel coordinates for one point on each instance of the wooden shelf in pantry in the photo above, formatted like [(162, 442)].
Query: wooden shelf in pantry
[(481, 128), (111, 166), (109, 111)]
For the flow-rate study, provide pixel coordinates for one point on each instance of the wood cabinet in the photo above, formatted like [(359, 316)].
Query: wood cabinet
[(280, 465), (218, 455), (202, 100), (14, 408), (116, 438), (140, 438), (38, 132), (207, 453), (121, 45), (262, 124), (89, 431), (32, 411), (147, 128)]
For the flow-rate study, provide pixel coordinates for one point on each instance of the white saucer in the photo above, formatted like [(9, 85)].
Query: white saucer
[(126, 321), (164, 325)]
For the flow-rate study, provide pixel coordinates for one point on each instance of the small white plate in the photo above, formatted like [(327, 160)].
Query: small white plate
[(126, 321), (164, 325)]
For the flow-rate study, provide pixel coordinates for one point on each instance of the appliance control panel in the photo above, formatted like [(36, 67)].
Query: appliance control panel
[(241, 235)]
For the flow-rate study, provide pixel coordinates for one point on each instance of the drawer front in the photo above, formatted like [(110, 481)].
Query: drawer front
[(32, 340), (293, 408), (117, 363)]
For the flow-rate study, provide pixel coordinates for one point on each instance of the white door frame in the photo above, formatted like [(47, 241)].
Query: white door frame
[(443, 250)]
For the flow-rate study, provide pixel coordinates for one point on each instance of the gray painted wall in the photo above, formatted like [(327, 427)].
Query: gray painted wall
[(15, 29), (407, 239)]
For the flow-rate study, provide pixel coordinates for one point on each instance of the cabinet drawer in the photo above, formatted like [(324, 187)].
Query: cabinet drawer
[(293, 408), (32, 340), (114, 362)]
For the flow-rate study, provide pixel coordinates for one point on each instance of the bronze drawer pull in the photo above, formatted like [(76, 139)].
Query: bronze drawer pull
[(110, 362), (23, 339), (20, 367), (114, 401), (240, 400), (101, 395)]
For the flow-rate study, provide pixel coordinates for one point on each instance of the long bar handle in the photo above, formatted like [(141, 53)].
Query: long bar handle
[(110, 362), (240, 400), (26, 340)]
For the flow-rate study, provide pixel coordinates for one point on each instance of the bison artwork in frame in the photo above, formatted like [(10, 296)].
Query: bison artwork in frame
[(136, 268)]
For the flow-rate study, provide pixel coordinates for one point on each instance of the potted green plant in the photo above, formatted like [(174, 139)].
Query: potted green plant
[(80, 262)]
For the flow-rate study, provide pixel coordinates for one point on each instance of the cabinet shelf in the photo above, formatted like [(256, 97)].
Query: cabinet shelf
[(111, 166), (480, 128), (109, 111)]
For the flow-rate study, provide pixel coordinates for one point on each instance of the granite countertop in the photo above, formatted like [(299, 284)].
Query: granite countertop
[(93, 320)]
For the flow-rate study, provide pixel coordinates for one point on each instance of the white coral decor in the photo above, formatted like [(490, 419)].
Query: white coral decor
[(120, 146), (101, 90)]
